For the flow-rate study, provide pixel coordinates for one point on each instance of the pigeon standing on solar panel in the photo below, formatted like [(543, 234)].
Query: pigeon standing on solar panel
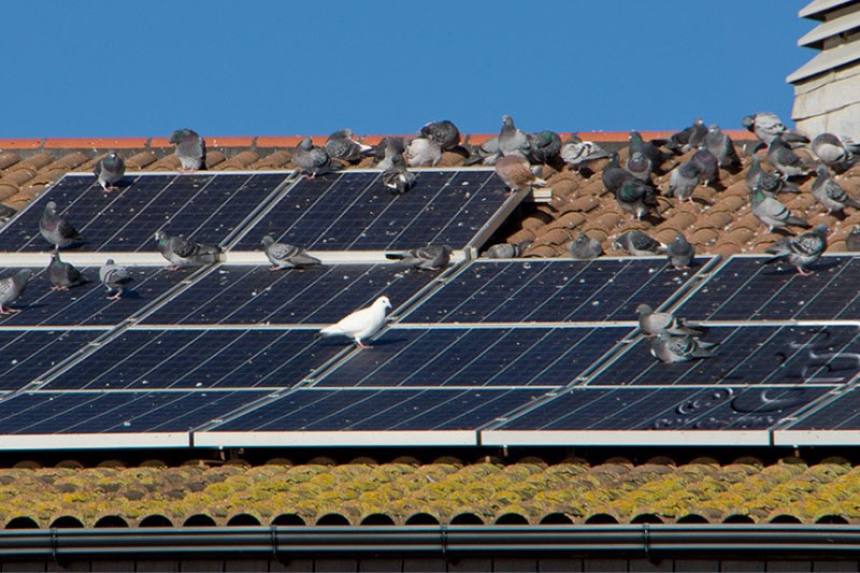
[(833, 152), (688, 138), (63, 275), (11, 288), (786, 161), (766, 125), (772, 213), (513, 141), (185, 253), (636, 197), (669, 349), (422, 152), (444, 133), (361, 324), (429, 258), (397, 178), (342, 145), (516, 173), (722, 147), (312, 160), (286, 256), (585, 248), (109, 170), (828, 192), (802, 251), (683, 181), (639, 244), (653, 323), (190, 149), (680, 252), (55, 229), (115, 278)]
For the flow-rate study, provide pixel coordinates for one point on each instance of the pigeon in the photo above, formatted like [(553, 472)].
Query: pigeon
[(516, 173), (639, 244), (767, 126), (190, 149), (800, 251), (721, 146), (391, 147), (669, 349), (683, 180), (769, 183), (578, 153), (397, 178), (689, 138), (614, 176), (507, 250), (833, 152), (63, 275), (680, 252), (109, 170), (342, 145), (286, 256), (772, 213), (636, 197), (648, 149), (55, 229), (852, 239), (585, 248), (312, 160), (784, 160), (443, 133), (361, 324), (11, 288), (513, 141), (486, 153), (185, 253), (422, 152), (828, 192), (115, 278), (544, 147), (640, 166), (653, 323), (708, 163), (429, 258)]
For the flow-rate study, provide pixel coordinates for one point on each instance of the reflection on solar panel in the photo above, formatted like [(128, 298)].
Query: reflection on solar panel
[(27, 354), (355, 211), (206, 208), (840, 414), (552, 291), (249, 295)]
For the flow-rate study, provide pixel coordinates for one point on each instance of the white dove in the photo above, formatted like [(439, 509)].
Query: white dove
[(362, 323)]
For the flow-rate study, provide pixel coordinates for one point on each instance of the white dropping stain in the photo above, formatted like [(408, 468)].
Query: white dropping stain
[(15, 361), (198, 385), (527, 265), (145, 382), (254, 293), (595, 303), (127, 424)]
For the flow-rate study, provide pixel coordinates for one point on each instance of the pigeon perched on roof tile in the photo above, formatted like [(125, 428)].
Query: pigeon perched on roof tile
[(852, 239), (670, 349), (190, 149), (834, 152), (389, 147), (638, 244), (648, 149), (722, 147), (312, 160), (286, 256), (115, 278), (397, 178), (361, 324), (429, 258), (422, 152), (709, 164), (444, 133), (544, 147), (828, 192), (680, 252), (769, 183), (516, 172), (613, 175), (109, 170), (772, 213), (636, 197), (802, 251), (63, 275), (487, 153), (578, 153), (183, 252), (688, 138), (639, 166), (683, 181), (585, 248), (11, 288), (506, 250), (342, 145), (652, 323), (513, 141), (766, 126), (786, 161), (55, 229)]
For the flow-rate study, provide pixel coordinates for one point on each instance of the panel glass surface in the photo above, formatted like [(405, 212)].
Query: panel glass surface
[(27, 354), (841, 414)]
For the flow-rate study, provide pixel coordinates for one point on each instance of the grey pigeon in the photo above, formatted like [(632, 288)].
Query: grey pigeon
[(648, 149), (784, 160), (683, 181), (772, 213), (429, 258), (852, 239), (312, 160), (636, 197), (190, 149), (11, 288), (115, 278), (513, 141), (722, 147), (767, 126), (802, 251), (544, 147), (680, 252), (578, 153), (286, 256), (507, 250), (342, 145), (689, 138), (652, 323), (670, 349), (640, 166), (833, 152), (770, 183), (515, 172), (362, 323), (390, 147), (710, 166), (185, 253), (613, 175), (55, 229), (397, 178), (109, 170), (444, 133), (63, 275), (422, 152), (828, 192), (486, 153), (585, 248), (639, 244)]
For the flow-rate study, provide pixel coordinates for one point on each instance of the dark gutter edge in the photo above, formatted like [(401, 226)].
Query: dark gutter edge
[(650, 541)]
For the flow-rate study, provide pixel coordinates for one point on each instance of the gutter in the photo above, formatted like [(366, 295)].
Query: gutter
[(651, 541)]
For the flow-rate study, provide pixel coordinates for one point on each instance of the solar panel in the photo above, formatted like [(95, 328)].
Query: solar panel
[(748, 355), (250, 295), (476, 357), (746, 289), (27, 354), (203, 207), (843, 413), (551, 291), (355, 211)]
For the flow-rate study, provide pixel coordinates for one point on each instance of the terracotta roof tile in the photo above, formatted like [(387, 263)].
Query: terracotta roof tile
[(239, 161), (18, 176), (275, 160), (739, 236), (8, 158), (715, 220), (521, 236), (542, 251), (7, 190), (584, 204), (568, 221), (554, 236), (680, 221), (140, 160)]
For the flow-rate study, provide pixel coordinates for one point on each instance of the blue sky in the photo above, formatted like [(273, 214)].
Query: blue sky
[(144, 68)]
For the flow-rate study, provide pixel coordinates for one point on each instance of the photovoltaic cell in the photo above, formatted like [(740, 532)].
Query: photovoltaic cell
[(476, 357), (203, 207), (840, 414), (27, 354), (722, 408), (381, 410), (748, 355), (143, 359), (250, 295), (551, 291), (355, 211)]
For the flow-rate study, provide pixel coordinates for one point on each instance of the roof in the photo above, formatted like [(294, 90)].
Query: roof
[(818, 8), (826, 61), (815, 37)]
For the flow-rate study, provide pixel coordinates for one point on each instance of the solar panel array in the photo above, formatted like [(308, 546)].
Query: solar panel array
[(487, 352)]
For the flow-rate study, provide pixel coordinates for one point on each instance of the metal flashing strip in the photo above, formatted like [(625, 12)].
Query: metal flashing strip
[(625, 438), (335, 439), (816, 438), (94, 441)]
